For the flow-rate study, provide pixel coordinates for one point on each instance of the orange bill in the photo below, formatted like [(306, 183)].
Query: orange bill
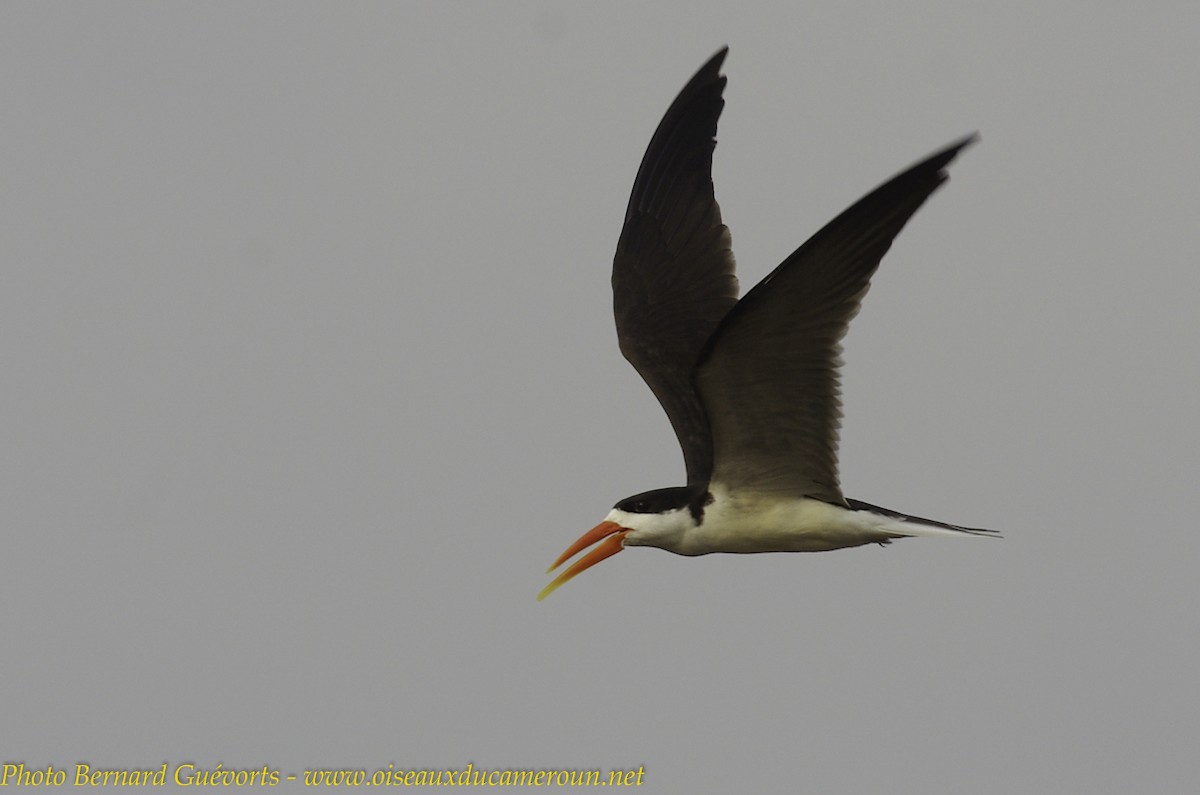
[(612, 535)]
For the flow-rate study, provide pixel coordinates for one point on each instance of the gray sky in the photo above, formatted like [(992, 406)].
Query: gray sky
[(309, 372)]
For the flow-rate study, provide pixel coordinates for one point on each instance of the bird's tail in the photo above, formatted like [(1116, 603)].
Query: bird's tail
[(904, 525)]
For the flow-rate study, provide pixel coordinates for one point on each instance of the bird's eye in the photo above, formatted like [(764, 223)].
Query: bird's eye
[(641, 507)]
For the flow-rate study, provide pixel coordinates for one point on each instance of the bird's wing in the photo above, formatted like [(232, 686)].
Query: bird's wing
[(673, 276), (769, 376)]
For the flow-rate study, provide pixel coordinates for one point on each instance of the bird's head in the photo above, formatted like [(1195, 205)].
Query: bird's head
[(659, 518)]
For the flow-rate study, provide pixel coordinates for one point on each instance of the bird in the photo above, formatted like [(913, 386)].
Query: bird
[(751, 387)]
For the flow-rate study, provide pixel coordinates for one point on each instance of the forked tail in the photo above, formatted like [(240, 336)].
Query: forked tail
[(906, 525)]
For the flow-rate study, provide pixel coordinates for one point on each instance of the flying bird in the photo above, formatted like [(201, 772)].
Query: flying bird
[(750, 387)]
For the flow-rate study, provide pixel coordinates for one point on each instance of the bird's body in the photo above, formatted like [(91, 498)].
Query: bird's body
[(751, 386), (745, 522)]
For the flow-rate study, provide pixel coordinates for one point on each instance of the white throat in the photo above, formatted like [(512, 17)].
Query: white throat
[(668, 530)]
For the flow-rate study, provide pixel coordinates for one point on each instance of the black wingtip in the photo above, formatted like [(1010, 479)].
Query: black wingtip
[(689, 126), (943, 158), (966, 140), (710, 72), (931, 167)]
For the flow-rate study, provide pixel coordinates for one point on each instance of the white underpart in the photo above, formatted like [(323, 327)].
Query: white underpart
[(744, 522)]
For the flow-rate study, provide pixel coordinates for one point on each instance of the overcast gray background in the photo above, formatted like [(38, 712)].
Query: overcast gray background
[(309, 371)]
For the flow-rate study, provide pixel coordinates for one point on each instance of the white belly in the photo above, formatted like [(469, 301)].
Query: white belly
[(754, 523)]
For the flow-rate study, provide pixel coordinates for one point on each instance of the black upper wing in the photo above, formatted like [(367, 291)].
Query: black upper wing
[(673, 274), (769, 376)]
